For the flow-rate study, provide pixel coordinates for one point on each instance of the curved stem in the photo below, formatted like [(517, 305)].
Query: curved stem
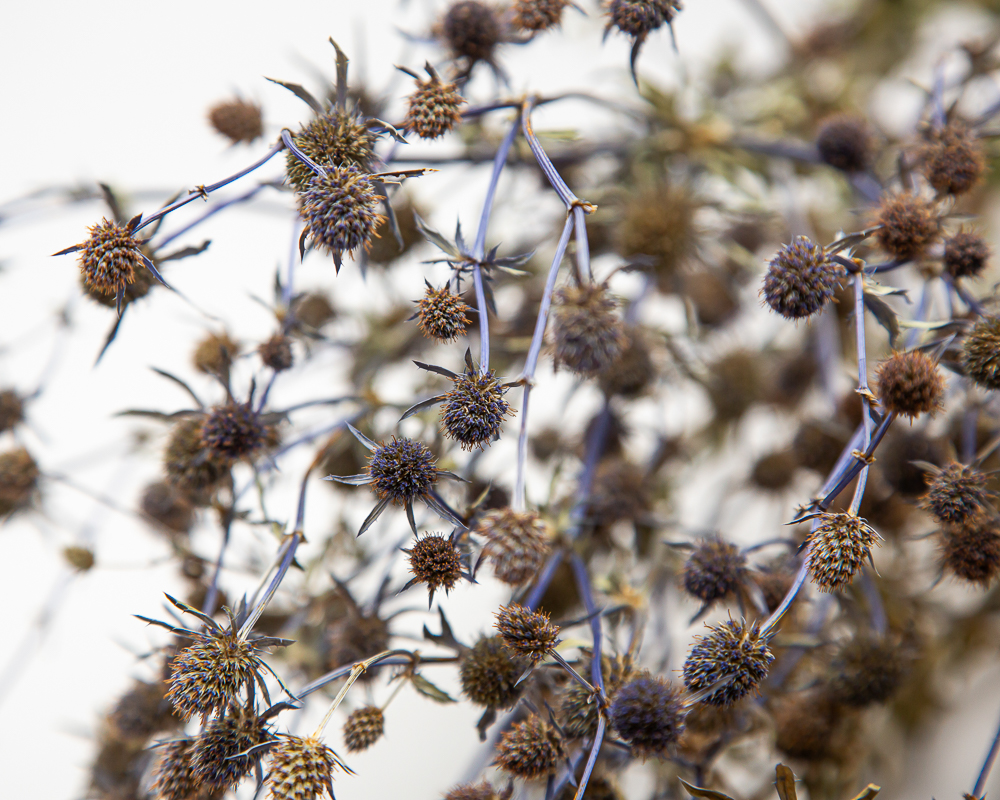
[(984, 773), (290, 545), (598, 739), (863, 390)]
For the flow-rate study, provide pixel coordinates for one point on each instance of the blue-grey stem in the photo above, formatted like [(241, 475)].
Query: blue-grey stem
[(598, 739), (863, 390), (289, 288), (215, 209), (779, 612), (876, 609), (345, 670), (484, 319), (290, 545), (984, 773), (212, 595), (587, 593), (582, 245)]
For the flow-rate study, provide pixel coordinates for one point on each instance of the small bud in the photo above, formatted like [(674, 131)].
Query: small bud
[(632, 371), (489, 673), (473, 791), (517, 543), (220, 759), (276, 353), (11, 410), (971, 550), (18, 480), (867, 670), (538, 15), (953, 160), (339, 210), (302, 769), (800, 279), (215, 354), (238, 120), (775, 471), (648, 713), (530, 749), (435, 561), (363, 728), (587, 333), (442, 314), (331, 140), (981, 353), (838, 546), (729, 651), (473, 412), (433, 107), (908, 225), (956, 493), (471, 30), (658, 224), (714, 569), (79, 558), (845, 141), (909, 384), (965, 254), (110, 258), (528, 633)]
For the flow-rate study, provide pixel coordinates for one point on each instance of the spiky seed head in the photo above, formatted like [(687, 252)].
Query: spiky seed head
[(638, 18), (981, 353), (11, 410), (955, 493), (330, 140), (800, 279), (619, 492), (402, 469), (174, 778), (845, 141), (965, 254), (441, 314), (714, 569), (587, 334), (209, 674), (434, 108), (363, 728), (659, 223), (868, 669), (909, 384), (339, 210), (631, 373), (215, 354), (220, 759), (775, 471), (730, 650), (528, 633), (517, 543), (18, 480), (736, 382), (110, 258), (838, 546), (909, 225), (233, 431), (473, 412), (471, 30), (971, 550), (79, 558), (489, 672), (538, 15), (313, 309), (473, 791), (648, 713), (953, 160), (302, 768), (238, 120), (436, 561), (276, 353), (188, 463), (530, 749), (140, 287)]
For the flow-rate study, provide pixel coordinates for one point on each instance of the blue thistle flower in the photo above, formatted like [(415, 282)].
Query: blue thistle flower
[(728, 663), (800, 279), (648, 713)]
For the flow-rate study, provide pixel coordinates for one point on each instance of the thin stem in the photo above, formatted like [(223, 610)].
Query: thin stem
[(562, 662), (779, 612), (587, 593), (564, 192), (582, 245), (211, 213), (212, 595), (340, 672), (598, 740), (863, 389), (356, 671), (984, 773), (290, 545), (484, 319)]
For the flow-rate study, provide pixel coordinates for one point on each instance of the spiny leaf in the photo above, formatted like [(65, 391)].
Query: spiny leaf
[(428, 689)]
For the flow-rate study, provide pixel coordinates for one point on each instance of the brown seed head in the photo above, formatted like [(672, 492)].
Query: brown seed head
[(355, 636), (313, 309), (953, 160), (714, 569), (620, 492), (909, 224), (735, 383), (965, 254), (339, 209), (800, 279), (471, 30), (330, 140), (775, 471), (588, 336), (658, 223), (489, 672), (174, 777), (648, 713), (971, 550), (233, 432), (434, 108), (363, 728), (956, 493), (473, 791), (981, 353), (442, 315), (517, 543), (79, 558), (838, 546), (238, 120), (805, 723), (214, 354), (909, 384), (220, 760), (436, 561), (473, 412), (302, 769), (18, 480), (527, 633), (209, 674), (578, 711), (142, 711), (845, 141), (277, 353), (538, 15), (530, 749), (638, 18), (867, 670), (632, 371), (189, 464), (11, 410), (110, 258), (729, 651)]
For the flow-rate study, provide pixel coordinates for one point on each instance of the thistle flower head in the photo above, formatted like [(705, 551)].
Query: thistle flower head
[(845, 141), (965, 254), (981, 353), (648, 713), (174, 778), (658, 225), (339, 210), (473, 412), (233, 432), (436, 561), (867, 670), (588, 335), (953, 160), (909, 384), (530, 749), (18, 480), (838, 546), (489, 674), (955, 493), (302, 768), (277, 353), (638, 18), (402, 469), (363, 728), (215, 354), (630, 374), (538, 15), (733, 653), (908, 223), (220, 759), (208, 674), (441, 314), (578, 711), (516, 543), (355, 636), (238, 120), (528, 633), (473, 791), (110, 257), (11, 410), (434, 107), (330, 140), (471, 30), (971, 550), (800, 279), (714, 569)]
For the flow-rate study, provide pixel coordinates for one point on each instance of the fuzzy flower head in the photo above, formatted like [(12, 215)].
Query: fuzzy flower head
[(845, 141), (588, 336), (800, 279), (538, 15), (908, 225), (733, 655), (528, 633), (489, 673), (233, 432), (648, 713), (339, 210), (302, 769), (971, 550), (434, 108), (638, 18), (953, 160), (517, 543), (472, 30), (838, 546), (530, 749), (909, 384), (436, 561), (965, 254), (334, 139), (955, 493), (226, 751), (363, 728), (441, 314), (714, 569), (238, 120), (18, 480), (981, 353), (868, 669), (188, 464)]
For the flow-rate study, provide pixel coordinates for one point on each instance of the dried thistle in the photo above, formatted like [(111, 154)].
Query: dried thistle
[(838, 545), (517, 543), (489, 674), (800, 279), (587, 334), (527, 633), (734, 656), (436, 561), (302, 768), (433, 107), (648, 713), (530, 749), (238, 120), (909, 384), (363, 728)]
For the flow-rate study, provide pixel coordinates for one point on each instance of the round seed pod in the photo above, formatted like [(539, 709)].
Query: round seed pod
[(473, 412), (79, 558), (525, 632), (140, 287), (215, 354), (435, 561), (210, 673), (965, 254), (238, 120), (517, 543), (729, 650), (363, 728), (339, 210), (909, 225), (658, 223), (714, 569), (110, 258), (489, 672), (471, 30), (276, 353), (638, 18), (588, 336), (233, 432), (538, 15), (971, 550), (845, 141), (165, 505), (578, 711), (174, 778), (220, 760), (648, 713), (302, 768), (442, 315), (775, 471), (632, 371), (473, 791), (330, 140), (867, 670), (434, 107), (735, 383), (800, 279), (18, 480), (11, 410), (909, 384), (981, 353), (956, 493), (530, 749), (953, 160), (838, 546), (188, 464), (402, 469)]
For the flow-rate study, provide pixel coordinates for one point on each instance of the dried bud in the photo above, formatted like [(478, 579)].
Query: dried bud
[(313, 310), (775, 471), (402, 470), (714, 569), (806, 723), (436, 561), (729, 651), (18, 480), (441, 314), (538, 15), (528, 633), (579, 710), (632, 371), (209, 674), (174, 778), (981, 353), (909, 384), (471, 30), (238, 120), (800, 279), (638, 18), (302, 769), (965, 254), (355, 636), (339, 210), (110, 258), (11, 410), (953, 160), (845, 141), (956, 493), (588, 335), (215, 354), (79, 558), (619, 492), (277, 353), (648, 713), (220, 759), (530, 749), (472, 791), (908, 225), (434, 107), (516, 543), (188, 464), (363, 728), (971, 550), (233, 432), (735, 383), (331, 140), (838, 546), (489, 673), (473, 412), (867, 670), (658, 224)]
